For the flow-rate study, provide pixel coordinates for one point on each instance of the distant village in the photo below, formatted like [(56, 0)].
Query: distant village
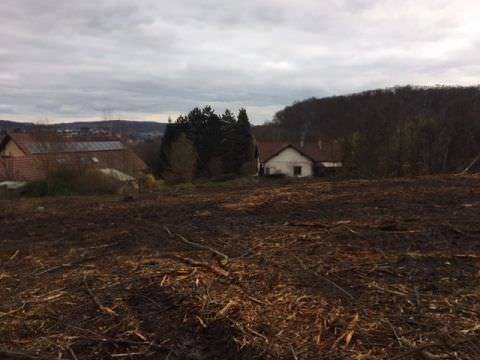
[(134, 131), (34, 153)]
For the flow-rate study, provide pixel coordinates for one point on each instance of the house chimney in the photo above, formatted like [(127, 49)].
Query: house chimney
[(301, 143), (320, 145)]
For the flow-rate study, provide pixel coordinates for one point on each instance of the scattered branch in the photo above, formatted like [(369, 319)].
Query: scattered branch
[(331, 282), (421, 349), (104, 309), (216, 270), (5, 354), (197, 245)]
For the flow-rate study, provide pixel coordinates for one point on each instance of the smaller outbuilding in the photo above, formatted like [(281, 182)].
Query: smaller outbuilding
[(304, 159)]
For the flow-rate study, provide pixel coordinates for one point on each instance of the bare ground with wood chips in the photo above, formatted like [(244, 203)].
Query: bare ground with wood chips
[(316, 270)]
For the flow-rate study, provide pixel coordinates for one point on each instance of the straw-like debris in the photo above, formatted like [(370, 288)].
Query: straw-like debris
[(315, 270)]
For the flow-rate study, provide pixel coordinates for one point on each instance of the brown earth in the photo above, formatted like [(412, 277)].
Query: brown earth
[(317, 270)]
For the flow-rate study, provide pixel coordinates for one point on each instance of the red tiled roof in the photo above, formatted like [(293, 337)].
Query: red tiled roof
[(317, 152)]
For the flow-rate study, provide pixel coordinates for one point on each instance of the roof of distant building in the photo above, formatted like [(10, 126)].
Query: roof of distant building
[(315, 151), (47, 143)]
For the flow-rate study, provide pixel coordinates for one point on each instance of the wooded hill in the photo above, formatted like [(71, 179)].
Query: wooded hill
[(389, 132)]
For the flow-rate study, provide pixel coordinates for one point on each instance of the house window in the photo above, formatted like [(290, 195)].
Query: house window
[(297, 170)]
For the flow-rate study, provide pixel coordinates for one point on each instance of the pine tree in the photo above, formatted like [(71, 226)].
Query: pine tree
[(170, 135), (223, 144), (212, 140), (244, 151), (229, 127)]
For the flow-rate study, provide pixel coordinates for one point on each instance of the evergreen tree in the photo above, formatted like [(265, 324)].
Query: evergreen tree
[(204, 128), (244, 151), (222, 143), (170, 135), (229, 127), (212, 143)]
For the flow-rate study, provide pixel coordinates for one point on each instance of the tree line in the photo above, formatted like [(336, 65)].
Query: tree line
[(400, 131), (203, 144)]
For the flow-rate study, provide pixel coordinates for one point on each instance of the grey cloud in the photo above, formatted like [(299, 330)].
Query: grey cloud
[(68, 59)]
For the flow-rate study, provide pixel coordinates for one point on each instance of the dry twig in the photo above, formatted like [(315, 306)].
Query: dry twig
[(217, 270), (104, 309), (197, 245)]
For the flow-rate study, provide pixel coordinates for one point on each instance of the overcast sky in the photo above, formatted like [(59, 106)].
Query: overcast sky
[(147, 59)]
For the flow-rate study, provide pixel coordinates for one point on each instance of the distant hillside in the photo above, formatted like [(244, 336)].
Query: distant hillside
[(7, 125), (127, 126), (398, 131), (133, 128)]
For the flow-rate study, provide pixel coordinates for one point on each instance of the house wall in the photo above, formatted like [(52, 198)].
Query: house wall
[(21, 168), (39, 167), (11, 149), (284, 162)]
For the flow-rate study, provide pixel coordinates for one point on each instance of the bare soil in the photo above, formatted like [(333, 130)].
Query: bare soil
[(316, 270)]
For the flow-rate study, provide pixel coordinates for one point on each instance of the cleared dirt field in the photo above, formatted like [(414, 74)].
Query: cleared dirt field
[(317, 270)]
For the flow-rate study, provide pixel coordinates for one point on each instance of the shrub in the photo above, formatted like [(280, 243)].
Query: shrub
[(150, 183), (71, 181), (35, 189), (94, 182), (182, 161)]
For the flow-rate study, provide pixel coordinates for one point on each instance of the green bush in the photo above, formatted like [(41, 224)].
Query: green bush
[(150, 183), (35, 189), (73, 182), (94, 182)]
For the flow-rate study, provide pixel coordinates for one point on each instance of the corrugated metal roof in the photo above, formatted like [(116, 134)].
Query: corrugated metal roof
[(70, 147)]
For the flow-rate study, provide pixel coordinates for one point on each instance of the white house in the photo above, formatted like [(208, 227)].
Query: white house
[(298, 160)]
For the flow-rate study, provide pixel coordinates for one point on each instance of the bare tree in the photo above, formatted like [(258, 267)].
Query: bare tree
[(108, 114), (182, 161)]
